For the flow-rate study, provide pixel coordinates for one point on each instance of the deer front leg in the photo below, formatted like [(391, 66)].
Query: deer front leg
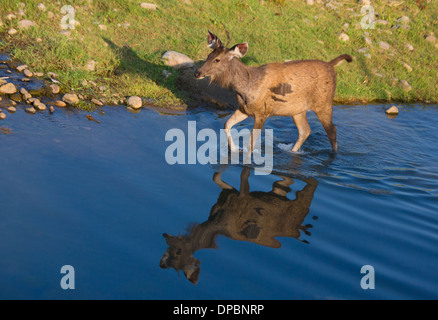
[(235, 118), (259, 122)]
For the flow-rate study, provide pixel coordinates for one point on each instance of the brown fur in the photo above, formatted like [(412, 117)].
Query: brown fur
[(276, 89)]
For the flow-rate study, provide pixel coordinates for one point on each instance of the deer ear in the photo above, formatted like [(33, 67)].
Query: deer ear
[(239, 50), (213, 41)]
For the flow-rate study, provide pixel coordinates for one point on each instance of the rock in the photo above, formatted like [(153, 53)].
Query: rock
[(26, 24), (28, 73), (149, 6), (405, 85), (55, 88), (12, 31), (430, 38), (177, 60), (41, 7), (97, 102), (409, 46), (344, 37), (384, 45), (408, 67), (25, 79), (403, 20), (40, 106), (368, 41), (51, 109), (70, 98), (8, 88), (2, 116), (310, 2), (134, 102), (10, 16), (91, 65), (392, 110), (21, 67), (11, 109), (60, 104), (102, 27), (30, 110), (38, 74)]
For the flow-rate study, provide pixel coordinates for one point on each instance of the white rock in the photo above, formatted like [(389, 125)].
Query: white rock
[(41, 7), (149, 6), (12, 31), (11, 16), (344, 37), (409, 46), (310, 2), (134, 102), (384, 45), (91, 65), (26, 24), (177, 60)]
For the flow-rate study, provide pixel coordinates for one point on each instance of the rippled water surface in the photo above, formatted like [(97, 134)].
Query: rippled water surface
[(101, 198)]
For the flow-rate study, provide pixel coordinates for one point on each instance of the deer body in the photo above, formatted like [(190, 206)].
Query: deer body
[(276, 89)]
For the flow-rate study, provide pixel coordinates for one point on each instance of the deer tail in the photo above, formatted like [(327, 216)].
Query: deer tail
[(340, 59)]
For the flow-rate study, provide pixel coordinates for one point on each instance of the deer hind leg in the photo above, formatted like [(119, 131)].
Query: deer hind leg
[(235, 118), (325, 116), (303, 130)]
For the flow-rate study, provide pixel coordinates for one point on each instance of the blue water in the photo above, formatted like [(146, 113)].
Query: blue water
[(99, 197)]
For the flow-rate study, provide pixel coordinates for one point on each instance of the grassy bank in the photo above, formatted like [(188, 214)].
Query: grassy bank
[(126, 43)]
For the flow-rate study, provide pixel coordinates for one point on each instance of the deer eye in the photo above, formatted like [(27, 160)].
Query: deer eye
[(217, 60)]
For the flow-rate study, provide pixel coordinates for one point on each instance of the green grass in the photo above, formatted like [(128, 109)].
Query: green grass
[(129, 59)]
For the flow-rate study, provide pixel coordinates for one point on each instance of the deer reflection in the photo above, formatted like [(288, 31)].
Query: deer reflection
[(255, 216)]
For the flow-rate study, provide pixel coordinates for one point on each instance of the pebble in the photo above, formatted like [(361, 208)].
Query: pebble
[(149, 6), (30, 110), (409, 46), (28, 73), (12, 31), (8, 88), (97, 102), (384, 45), (430, 38), (41, 7), (55, 88), (407, 66), (40, 106), (12, 109), (405, 85), (70, 98), (344, 37), (21, 67), (2, 116), (102, 27), (91, 65), (51, 109), (392, 110), (134, 102), (26, 24), (60, 104)]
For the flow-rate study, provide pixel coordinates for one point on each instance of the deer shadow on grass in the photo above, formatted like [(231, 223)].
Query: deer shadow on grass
[(193, 92), (131, 63)]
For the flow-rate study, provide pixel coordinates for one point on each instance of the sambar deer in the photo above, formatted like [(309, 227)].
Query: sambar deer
[(275, 89)]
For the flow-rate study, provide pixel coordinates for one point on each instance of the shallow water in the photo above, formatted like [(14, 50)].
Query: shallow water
[(99, 197)]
